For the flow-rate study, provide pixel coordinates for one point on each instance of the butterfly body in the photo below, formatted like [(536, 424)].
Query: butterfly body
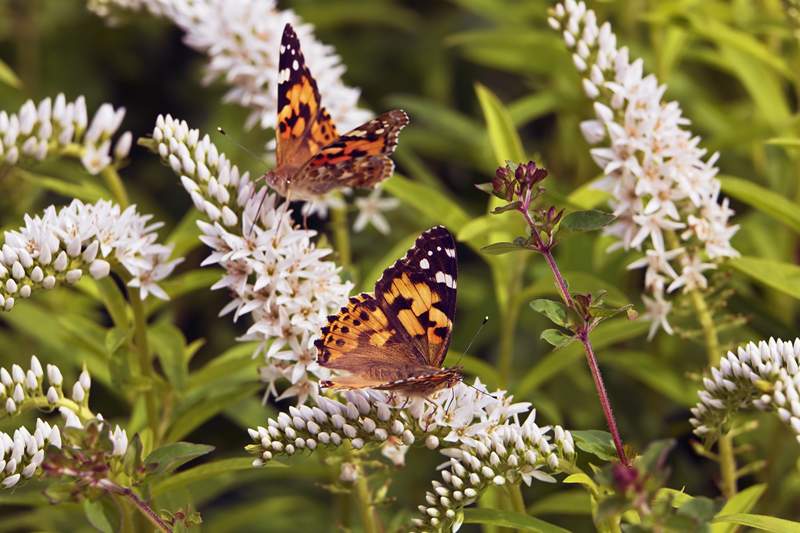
[(312, 157), (396, 339)]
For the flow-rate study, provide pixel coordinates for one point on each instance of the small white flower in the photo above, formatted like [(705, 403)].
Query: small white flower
[(119, 440), (371, 209)]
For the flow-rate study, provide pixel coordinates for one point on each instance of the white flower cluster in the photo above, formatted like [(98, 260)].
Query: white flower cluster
[(22, 454), (485, 442), (765, 375), (21, 390), (273, 269), (660, 180), (61, 245), (58, 126), (242, 39)]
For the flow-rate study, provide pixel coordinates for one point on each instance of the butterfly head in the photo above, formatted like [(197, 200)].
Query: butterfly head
[(279, 180)]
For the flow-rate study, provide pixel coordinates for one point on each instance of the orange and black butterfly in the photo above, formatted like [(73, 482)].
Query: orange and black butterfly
[(312, 158), (396, 339)]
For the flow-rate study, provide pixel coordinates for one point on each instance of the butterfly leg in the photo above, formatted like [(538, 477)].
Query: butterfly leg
[(258, 212), (450, 402)]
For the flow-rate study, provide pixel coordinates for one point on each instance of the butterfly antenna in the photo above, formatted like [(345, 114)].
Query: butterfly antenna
[(475, 336), (243, 148)]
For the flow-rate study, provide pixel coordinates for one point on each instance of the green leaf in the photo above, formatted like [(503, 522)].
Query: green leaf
[(519, 521), (171, 456), (533, 106), (96, 515), (500, 248), (784, 277), (206, 471), (790, 142), (8, 76), (553, 310), (85, 190), (503, 136), (197, 413), (606, 334), (170, 347), (556, 338), (677, 497), (432, 203), (758, 521), (590, 220), (588, 196), (772, 204), (654, 372), (596, 442), (741, 502), (567, 502)]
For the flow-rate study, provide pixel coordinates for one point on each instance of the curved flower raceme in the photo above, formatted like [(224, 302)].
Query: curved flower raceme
[(663, 186), (479, 432), (242, 40), (55, 126), (49, 449), (764, 375), (61, 245), (273, 270)]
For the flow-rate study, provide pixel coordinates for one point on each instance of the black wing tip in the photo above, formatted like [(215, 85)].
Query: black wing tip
[(288, 32)]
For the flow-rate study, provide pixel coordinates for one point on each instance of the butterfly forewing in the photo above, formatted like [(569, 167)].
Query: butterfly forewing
[(419, 293), (304, 126)]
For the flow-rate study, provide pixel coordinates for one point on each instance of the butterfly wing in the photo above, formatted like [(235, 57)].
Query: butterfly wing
[(304, 126), (401, 333), (418, 295), (359, 158), (361, 342)]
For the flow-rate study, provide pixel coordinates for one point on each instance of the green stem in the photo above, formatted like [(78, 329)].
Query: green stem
[(364, 501), (517, 501), (143, 353), (126, 524), (114, 184), (508, 327), (42, 404), (727, 457), (341, 236)]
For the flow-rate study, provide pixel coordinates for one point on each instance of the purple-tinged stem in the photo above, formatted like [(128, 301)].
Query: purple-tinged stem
[(583, 335), (604, 401)]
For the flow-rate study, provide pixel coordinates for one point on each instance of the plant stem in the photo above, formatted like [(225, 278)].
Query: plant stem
[(114, 183), (143, 351), (727, 458), (517, 501), (139, 503), (582, 335), (603, 396), (365, 505), (341, 235)]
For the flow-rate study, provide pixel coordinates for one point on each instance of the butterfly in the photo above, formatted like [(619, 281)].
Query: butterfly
[(396, 339), (312, 158)]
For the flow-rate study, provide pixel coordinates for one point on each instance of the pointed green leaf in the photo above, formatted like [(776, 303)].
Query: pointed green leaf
[(96, 515), (596, 442), (784, 277), (741, 502), (434, 204), (8, 76), (556, 337), (553, 310), (763, 522), (499, 248), (590, 220), (172, 456), (503, 136), (772, 204), (520, 521)]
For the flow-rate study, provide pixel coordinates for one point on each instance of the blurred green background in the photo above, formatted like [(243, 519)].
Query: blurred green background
[(733, 66)]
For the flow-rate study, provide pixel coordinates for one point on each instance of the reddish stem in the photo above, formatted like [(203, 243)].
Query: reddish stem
[(604, 401), (582, 335)]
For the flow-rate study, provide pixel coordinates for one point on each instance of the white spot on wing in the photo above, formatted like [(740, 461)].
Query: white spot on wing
[(450, 252), (430, 252), (295, 65), (440, 277), (424, 264)]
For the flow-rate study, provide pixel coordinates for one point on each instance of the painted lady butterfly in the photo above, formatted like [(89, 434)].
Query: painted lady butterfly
[(312, 158), (396, 339)]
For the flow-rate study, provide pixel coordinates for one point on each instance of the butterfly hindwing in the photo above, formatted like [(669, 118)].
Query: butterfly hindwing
[(361, 342), (359, 158), (303, 126)]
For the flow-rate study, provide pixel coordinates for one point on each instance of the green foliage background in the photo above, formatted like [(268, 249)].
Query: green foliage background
[(733, 66)]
